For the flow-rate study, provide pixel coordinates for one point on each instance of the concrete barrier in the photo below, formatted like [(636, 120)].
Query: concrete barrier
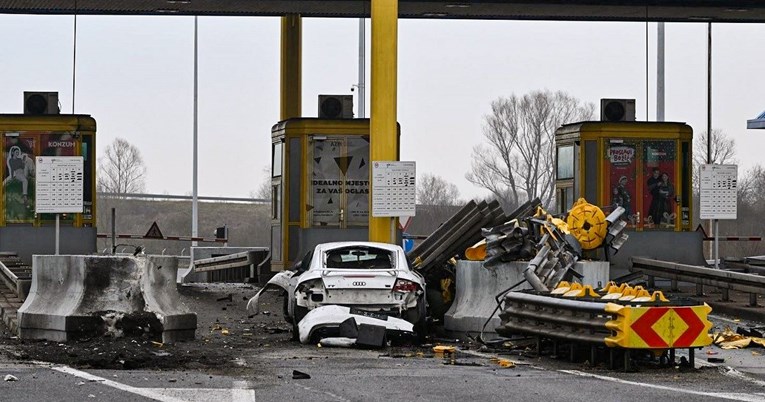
[(74, 296), (477, 287)]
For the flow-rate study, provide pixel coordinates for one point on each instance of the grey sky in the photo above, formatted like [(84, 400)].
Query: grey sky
[(134, 75)]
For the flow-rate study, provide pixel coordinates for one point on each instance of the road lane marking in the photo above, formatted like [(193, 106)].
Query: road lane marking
[(235, 394), (724, 395)]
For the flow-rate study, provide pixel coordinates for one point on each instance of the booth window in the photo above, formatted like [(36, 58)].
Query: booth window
[(276, 157), (565, 162)]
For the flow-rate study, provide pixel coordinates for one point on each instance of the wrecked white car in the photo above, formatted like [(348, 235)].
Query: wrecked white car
[(371, 277)]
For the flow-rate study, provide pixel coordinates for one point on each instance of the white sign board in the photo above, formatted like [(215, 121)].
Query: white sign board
[(393, 189), (718, 191), (59, 184)]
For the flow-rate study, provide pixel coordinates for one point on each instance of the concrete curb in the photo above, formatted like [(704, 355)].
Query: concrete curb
[(82, 296)]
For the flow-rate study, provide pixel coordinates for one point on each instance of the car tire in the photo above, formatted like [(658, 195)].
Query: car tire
[(297, 315)]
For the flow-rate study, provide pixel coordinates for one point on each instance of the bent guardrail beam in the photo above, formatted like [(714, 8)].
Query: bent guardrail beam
[(725, 280), (548, 316), (237, 260)]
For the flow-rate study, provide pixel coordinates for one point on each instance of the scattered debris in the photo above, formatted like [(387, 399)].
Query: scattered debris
[(728, 339), (338, 342), (9, 377), (226, 298), (299, 375)]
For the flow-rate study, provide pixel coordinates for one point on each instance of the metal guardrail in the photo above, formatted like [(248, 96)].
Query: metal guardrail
[(701, 276), (238, 260), (613, 325), (16, 275), (547, 316)]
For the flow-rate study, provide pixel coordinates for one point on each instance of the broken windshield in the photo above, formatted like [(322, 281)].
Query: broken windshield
[(359, 258)]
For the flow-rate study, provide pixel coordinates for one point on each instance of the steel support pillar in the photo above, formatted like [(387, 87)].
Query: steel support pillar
[(290, 85), (383, 136)]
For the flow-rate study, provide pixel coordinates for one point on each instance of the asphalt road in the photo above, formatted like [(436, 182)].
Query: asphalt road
[(356, 375), (256, 362)]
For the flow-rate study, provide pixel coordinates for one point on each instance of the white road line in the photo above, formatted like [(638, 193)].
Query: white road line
[(731, 372), (723, 395), (122, 387), (241, 393), (238, 393)]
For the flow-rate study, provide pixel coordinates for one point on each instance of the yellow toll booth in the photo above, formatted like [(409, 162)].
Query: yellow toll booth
[(320, 185), (26, 137), (644, 167)]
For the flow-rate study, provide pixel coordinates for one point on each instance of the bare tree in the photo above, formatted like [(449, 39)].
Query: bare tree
[(723, 152), (121, 169), (264, 189), (517, 163), (434, 190)]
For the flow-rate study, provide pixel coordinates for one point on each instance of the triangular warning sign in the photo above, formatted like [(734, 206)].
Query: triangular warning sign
[(154, 232)]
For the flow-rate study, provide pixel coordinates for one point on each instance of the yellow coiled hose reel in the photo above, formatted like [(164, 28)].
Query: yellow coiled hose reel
[(587, 223)]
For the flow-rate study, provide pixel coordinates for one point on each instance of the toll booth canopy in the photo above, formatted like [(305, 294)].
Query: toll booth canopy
[(320, 185), (644, 167)]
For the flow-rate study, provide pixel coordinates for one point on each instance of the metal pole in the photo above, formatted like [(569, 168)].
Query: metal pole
[(709, 108), (362, 68), (717, 244), (114, 231), (660, 73), (194, 191), (74, 56), (57, 233)]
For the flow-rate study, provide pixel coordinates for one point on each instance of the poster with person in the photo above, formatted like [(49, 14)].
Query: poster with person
[(622, 164), (659, 190), (19, 177)]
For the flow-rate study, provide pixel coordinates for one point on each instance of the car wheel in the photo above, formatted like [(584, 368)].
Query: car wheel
[(297, 315)]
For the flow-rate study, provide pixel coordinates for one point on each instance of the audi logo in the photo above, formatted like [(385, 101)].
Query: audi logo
[(359, 283)]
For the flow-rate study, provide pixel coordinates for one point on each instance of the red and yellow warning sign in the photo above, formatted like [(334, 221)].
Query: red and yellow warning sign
[(659, 327)]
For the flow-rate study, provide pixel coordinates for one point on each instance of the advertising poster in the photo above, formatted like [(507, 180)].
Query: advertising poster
[(326, 182), (659, 210), (19, 177), (357, 181), (340, 181), (622, 158)]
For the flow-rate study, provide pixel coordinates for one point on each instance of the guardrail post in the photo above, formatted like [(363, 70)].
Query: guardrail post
[(673, 285), (725, 295), (699, 290), (651, 282), (753, 299)]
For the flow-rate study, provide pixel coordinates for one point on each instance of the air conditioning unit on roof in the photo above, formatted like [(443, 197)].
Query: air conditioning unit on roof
[(38, 103), (617, 110), (335, 106)]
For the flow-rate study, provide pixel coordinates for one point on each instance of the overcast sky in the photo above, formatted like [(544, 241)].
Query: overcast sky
[(134, 75)]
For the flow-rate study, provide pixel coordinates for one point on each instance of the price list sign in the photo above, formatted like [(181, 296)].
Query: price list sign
[(59, 184), (718, 191), (393, 189)]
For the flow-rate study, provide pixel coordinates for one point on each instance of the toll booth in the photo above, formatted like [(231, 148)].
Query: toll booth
[(644, 167), (26, 137), (320, 185)]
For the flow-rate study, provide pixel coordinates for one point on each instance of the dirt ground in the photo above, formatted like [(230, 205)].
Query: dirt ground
[(223, 327)]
